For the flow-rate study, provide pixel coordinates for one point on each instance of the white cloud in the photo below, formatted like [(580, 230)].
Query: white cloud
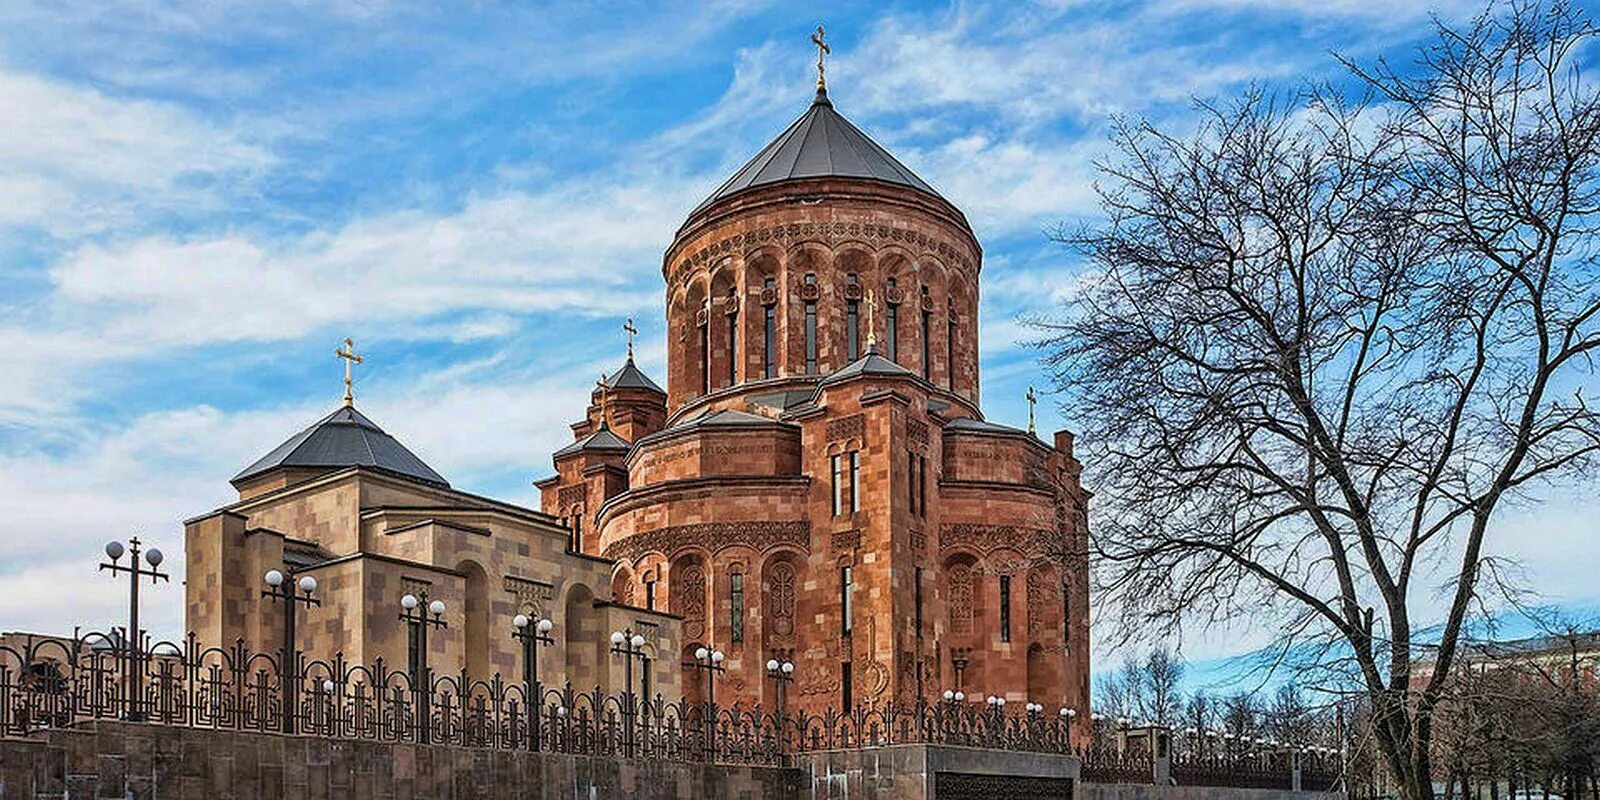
[(79, 162)]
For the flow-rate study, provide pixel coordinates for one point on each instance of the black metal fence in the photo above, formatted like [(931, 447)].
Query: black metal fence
[(49, 682)]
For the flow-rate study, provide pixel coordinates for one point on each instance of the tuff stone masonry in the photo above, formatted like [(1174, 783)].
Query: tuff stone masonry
[(816, 484), (817, 481)]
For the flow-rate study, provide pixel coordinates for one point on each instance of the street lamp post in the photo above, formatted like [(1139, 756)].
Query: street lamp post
[(153, 557), (278, 590), (419, 615), (630, 646), (782, 674), (532, 635), (710, 662), (1067, 715)]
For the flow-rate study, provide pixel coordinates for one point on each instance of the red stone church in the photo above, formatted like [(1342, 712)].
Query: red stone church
[(817, 482)]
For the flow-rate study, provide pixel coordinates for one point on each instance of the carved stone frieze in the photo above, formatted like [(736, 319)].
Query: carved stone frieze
[(570, 495), (984, 538), (851, 427), (712, 537), (532, 596), (917, 432)]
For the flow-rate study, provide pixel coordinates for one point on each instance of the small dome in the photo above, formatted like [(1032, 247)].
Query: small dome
[(631, 377), (820, 144), (345, 438)]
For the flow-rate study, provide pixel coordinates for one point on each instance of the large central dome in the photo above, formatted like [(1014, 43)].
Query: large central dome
[(820, 144)]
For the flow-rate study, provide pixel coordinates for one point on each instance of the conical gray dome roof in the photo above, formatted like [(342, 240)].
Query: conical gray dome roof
[(820, 144), (345, 438)]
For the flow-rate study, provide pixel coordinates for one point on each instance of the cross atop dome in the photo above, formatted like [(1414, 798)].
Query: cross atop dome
[(822, 50)]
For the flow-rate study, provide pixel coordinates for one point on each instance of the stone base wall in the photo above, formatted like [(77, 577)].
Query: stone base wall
[(913, 772), (140, 762), (1124, 791), (107, 760)]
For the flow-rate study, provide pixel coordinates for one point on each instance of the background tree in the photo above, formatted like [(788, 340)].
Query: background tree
[(1325, 343)]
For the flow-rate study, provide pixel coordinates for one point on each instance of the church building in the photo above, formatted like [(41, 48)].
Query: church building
[(816, 484)]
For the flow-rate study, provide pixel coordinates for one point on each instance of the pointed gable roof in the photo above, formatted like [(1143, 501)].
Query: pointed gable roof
[(869, 364), (820, 144), (602, 439), (631, 377), (345, 438)]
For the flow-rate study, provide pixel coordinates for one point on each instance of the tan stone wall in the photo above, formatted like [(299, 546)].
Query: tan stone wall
[(487, 563)]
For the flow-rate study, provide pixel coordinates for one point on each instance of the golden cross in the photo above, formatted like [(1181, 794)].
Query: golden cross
[(1032, 398), (348, 353), (631, 331), (822, 50)]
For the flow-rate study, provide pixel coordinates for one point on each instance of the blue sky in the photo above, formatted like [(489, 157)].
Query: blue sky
[(199, 200)]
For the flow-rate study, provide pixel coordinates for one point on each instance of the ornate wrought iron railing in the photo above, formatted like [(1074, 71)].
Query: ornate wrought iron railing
[(49, 683)]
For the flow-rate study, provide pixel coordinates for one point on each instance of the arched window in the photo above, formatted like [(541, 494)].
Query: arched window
[(852, 320), (927, 325), (893, 330), (705, 348), (733, 336), (811, 329), (950, 345), (769, 334)]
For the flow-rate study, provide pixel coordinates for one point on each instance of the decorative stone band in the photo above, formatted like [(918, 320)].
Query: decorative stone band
[(573, 494), (985, 538), (829, 233), (711, 537), (531, 595), (851, 427)]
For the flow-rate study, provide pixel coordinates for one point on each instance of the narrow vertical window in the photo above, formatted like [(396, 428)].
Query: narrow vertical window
[(893, 331), (736, 607), (705, 352), (855, 480), (846, 600), (650, 595), (1005, 608), (1066, 614), (811, 331), (577, 532), (852, 323), (950, 348), (916, 592), (927, 351), (922, 485), (733, 337), (911, 481), (846, 687), (838, 487), (769, 338)]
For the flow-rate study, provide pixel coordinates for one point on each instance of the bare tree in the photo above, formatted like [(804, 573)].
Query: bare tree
[(1325, 344)]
